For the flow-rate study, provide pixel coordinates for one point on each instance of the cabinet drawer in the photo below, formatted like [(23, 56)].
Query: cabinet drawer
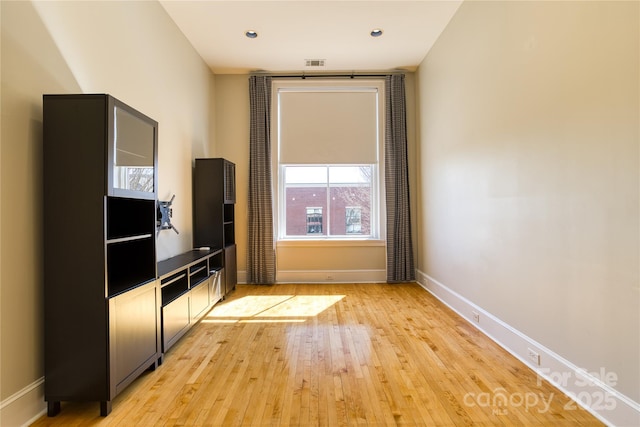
[(199, 300), (175, 321)]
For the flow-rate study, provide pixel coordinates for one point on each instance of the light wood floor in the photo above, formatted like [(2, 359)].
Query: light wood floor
[(334, 355)]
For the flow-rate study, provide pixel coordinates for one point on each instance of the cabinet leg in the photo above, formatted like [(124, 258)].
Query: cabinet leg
[(105, 408), (53, 408)]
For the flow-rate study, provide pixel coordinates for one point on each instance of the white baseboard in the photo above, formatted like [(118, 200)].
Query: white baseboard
[(321, 276), (589, 390), (24, 407), (332, 276)]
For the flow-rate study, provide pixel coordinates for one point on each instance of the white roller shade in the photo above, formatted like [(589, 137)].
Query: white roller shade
[(328, 127)]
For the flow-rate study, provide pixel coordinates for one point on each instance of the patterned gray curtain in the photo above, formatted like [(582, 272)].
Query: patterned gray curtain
[(261, 256), (400, 267)]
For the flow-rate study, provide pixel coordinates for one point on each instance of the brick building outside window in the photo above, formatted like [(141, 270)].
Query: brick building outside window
[(349, 211)]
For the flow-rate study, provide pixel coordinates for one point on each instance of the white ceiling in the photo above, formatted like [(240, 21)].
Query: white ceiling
[(292, 31)]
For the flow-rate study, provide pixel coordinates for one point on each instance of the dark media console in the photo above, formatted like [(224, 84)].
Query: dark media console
[(190, 283)]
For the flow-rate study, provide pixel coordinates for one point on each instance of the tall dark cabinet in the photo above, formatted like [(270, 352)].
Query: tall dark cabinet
[(102, 300), (214, 212)]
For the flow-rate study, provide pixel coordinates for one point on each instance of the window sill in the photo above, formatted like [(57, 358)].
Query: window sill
[(287, 243)]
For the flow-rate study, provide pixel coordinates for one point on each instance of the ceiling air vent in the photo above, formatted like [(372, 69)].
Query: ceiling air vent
[(314, 62)]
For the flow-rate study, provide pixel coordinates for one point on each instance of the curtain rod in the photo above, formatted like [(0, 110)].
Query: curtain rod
[(328, 76)]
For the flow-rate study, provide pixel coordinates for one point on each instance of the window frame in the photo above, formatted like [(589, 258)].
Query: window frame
[(378, 219)]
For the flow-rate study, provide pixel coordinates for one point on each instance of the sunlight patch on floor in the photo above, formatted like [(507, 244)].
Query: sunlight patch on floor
[(271, 308)]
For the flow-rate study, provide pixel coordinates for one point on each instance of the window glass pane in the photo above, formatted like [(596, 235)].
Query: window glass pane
[(349, 174), (343, 197), (299, 198), (306, 175), (329, 201)]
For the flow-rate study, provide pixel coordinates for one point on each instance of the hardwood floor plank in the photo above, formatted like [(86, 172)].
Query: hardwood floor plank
[(333, 355)]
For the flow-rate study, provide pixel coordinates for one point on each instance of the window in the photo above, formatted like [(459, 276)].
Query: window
[(314, 220), (311, 190), (133, 178), (327, 159), (353, 220)]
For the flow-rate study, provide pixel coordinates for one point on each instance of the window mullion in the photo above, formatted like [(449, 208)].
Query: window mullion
[(328, 202)]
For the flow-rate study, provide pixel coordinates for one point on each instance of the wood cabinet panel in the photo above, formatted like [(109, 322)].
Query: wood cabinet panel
[(134, 333), (199, 300), (230, 269), (175, 321)]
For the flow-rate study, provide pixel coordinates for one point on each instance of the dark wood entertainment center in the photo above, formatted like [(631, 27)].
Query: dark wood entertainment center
[(112, 310), (214, 198)]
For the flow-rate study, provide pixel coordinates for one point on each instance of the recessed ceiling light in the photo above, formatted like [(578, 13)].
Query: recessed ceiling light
[(251, 34), (376, 32)]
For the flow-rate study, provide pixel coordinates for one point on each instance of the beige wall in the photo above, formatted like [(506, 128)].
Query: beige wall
[(131, 50), (232, 135), (529, 196)]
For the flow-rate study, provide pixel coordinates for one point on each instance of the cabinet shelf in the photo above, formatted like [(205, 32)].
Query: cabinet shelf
[(128, 217), (174, 279), (197, 270), (174, 287), (129, 238), (229, 212), (197, 283), (121, 256), (171, 295)]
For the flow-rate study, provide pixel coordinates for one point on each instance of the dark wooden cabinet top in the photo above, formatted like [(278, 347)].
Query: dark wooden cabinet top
[(183, 260)]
